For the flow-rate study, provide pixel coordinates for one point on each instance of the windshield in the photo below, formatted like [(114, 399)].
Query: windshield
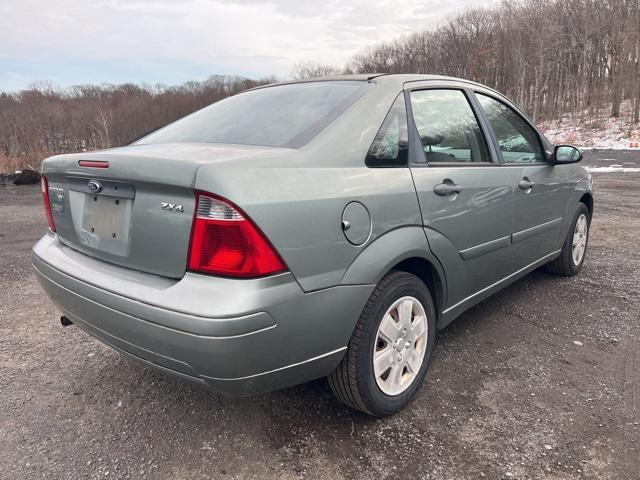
[(280, 116)]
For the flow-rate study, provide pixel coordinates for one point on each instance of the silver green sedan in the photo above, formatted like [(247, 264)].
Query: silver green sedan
[(310, 229)]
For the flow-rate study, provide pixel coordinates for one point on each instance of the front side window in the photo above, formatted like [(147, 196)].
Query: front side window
[(447, 127), (518, 142), (390, 148), (279, 116)]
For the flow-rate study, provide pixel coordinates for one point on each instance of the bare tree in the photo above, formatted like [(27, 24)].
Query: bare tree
[(306, 69), (551, 56), (45, 119)]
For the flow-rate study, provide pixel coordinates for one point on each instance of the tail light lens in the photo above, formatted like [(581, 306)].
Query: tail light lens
[(47, 204), (224, 241)]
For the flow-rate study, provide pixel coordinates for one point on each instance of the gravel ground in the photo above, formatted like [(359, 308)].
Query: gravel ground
[(540, 381)]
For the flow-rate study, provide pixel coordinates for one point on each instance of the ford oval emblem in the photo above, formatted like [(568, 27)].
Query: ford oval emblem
[(94, 186)]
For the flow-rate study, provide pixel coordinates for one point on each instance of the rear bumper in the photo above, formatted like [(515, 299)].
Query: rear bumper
[(238, 337)]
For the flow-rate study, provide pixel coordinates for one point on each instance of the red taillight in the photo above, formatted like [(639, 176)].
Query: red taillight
[(225, 242), (47, 204), (93, 164)]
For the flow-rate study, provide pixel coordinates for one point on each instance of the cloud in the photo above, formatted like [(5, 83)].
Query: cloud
[(162, 40)]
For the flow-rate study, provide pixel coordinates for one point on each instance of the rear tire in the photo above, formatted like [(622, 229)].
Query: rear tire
[(574, 248), (390, 349)]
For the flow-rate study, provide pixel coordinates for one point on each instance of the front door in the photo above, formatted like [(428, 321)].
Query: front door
[(540, 189), (465, 196)]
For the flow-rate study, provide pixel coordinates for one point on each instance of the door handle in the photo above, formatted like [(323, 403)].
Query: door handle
[(447, 188), (525, 184)]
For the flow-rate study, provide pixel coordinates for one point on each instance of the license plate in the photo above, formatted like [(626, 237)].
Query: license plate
[(105, 223)]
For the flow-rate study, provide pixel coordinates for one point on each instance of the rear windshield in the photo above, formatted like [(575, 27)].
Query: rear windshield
[(281, 116)]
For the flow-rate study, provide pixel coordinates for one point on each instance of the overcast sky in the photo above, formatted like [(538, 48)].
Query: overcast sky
[(172, 41)]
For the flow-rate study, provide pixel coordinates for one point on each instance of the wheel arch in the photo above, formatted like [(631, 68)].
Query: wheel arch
[(427, 272), (405, 249), (587, 199)]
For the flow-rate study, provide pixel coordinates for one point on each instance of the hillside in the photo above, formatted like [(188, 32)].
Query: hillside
[(595, 129)]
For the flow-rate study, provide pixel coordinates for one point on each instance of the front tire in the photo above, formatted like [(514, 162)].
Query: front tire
[(390, 350), (574, 248)]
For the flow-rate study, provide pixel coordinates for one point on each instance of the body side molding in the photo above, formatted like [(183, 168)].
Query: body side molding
[(533, 231), (490, 246)]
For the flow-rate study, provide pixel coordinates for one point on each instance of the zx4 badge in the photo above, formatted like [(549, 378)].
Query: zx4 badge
[(172, 207)]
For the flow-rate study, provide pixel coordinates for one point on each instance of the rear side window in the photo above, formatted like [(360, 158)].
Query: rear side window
[(518, 142), (391, 145), (279, 116), (447, 127)]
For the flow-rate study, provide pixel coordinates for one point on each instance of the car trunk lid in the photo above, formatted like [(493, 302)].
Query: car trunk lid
[(132, 206)]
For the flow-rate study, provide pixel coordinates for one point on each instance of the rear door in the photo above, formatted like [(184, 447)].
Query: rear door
[(465, 196), (540, 188)]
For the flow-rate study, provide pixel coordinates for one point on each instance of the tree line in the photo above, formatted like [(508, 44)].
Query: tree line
[(45, 120), (552, 57)]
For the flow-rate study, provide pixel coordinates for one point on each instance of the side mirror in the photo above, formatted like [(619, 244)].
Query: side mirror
[(566, 154)]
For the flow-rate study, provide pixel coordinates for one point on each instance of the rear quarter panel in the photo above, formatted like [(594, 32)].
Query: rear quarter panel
[(300, 211), (297, 197)]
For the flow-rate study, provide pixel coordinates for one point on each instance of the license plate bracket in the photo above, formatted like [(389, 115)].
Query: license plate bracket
[(104, 223)]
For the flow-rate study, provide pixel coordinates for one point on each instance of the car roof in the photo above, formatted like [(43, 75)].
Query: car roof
[(389, 79)]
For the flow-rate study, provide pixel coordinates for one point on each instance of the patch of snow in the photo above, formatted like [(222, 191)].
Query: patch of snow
[(613, 169), (595, 130)]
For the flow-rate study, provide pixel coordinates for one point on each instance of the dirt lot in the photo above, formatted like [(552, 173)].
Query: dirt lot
[(540, 381)]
